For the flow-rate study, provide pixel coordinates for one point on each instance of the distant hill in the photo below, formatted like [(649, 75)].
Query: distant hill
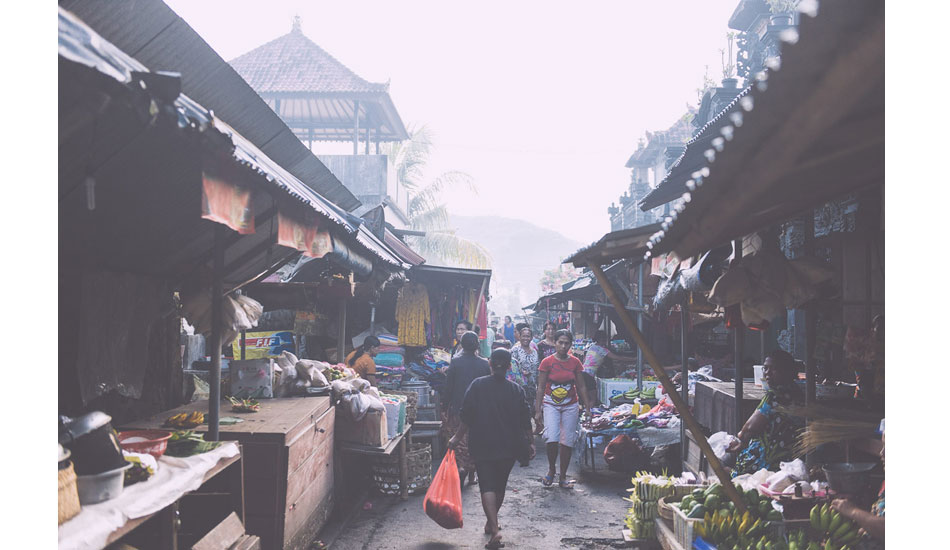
[(520, 251)]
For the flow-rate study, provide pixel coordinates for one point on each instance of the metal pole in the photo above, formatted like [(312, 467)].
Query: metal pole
[(684, 346), (243, 344), (681, 406), (640, 325), (372, 319), (214, 397), (739, 346)]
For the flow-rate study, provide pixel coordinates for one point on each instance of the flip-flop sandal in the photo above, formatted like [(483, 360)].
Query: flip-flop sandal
[(566, 483), (497, 544), (547, 481)]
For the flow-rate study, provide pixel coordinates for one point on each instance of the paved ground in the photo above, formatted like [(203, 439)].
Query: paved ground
[(589, 517)]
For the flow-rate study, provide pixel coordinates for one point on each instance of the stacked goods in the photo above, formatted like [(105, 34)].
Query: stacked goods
[(388, 340), (389, 377), (390, 356), (646, 491)]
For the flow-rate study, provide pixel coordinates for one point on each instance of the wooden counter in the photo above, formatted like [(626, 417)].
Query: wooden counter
[(288, 465), (715, 405)]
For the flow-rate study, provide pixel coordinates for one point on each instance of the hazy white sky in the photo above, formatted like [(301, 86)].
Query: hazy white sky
[(541, 102)]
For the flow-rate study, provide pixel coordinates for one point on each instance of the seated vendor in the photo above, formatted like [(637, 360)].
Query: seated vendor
[(361, 359), (768, 437), (872, 522)]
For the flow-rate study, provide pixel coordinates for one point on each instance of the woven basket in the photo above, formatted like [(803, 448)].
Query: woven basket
[(412, 403), (386, 470), (665, 509), (68, 494)]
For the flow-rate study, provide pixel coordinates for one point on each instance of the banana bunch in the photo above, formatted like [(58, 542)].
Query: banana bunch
[(186, 420), (650, 488), (729, 529), (838, 532)]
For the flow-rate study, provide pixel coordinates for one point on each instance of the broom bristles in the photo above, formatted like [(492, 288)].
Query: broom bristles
[(829, 430)]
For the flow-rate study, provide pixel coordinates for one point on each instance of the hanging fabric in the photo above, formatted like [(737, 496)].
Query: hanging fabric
[(413, 314)]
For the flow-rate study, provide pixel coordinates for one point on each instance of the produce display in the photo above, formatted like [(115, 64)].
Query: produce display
[(244, 405), (728, 529), (837, 533), (334, 372), (646, 491), (645, 393), (186, 420)]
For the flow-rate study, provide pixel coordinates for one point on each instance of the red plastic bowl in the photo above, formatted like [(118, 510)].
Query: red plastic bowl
[(156, 441)]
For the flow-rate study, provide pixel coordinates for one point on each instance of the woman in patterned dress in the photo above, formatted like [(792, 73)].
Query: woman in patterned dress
[(768, 437)]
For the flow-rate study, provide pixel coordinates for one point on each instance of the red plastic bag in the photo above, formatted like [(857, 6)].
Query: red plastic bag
[(443, 502)]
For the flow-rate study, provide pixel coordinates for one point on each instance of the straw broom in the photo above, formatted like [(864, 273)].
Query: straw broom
[(831, 430)]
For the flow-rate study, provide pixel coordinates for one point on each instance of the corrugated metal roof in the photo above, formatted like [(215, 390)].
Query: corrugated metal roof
[(812, 131), (622, 244), (158, 38)]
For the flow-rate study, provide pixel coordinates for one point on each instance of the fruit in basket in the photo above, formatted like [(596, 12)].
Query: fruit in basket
[(186, 420)]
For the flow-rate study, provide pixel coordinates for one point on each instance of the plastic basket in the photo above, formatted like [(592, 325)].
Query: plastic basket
[(155, 444), (412, 403), (386, 470), (683, 527), (68, 494)]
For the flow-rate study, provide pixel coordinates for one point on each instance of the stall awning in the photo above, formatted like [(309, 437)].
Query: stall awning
[(157, 37), (471, 278), (674, 184), (407, 254), (622, 244), (812, 131)]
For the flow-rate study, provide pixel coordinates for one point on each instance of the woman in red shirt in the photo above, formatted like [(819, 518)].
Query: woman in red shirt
[(560, 390)]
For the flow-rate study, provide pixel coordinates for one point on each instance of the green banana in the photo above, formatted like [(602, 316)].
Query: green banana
[(813, 546), (842, 529), (850, 536), (825, 518), (829, 545), (815, 517), (836, 520)]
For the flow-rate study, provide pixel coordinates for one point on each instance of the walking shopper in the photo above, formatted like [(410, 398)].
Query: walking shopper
[(524, 365), (463, 369), (509, 329), (461, 327), (547, 347), (560, 388), (361, 359), (494, 420)]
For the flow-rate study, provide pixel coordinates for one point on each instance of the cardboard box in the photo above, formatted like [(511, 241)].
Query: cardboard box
[(607, 388), (252, 378), (371, 430)]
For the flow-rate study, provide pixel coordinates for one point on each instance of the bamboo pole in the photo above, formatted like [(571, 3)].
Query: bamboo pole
[(681, 406)]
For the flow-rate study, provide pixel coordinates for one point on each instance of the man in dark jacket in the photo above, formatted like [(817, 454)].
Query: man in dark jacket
[(496, 419), (463, 369)]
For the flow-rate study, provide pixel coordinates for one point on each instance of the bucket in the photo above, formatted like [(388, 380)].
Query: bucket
[(421, 388), (848, 477), (101, 487)]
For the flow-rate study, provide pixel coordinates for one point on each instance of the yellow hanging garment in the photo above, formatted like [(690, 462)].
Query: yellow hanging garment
[(412, 314)]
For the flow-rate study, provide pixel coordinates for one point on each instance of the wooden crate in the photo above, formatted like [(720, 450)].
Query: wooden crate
[(287, 451)]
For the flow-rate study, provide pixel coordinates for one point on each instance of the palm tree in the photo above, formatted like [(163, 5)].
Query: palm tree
[(427, 211)]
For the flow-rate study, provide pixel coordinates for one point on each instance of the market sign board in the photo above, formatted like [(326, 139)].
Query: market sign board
[(263, 345)]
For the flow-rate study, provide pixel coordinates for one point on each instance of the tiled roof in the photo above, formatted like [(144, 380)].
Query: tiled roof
[(293, 63), (677, 134)]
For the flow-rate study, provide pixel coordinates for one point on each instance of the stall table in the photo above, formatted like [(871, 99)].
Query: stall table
[(664, 535), (397, 443), (715, 404), (153, 508), (288, 465)]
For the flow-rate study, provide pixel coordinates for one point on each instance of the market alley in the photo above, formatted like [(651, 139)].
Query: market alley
[(533, 517)]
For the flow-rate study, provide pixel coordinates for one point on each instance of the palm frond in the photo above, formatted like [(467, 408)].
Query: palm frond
[(409, 157), (435, 218), (449, 248), (429, 196)]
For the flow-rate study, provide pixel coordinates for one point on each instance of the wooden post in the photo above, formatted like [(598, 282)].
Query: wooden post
[(243, 344), (681, 406), (811, 331), (738, 349), (403, 471), (640, 325), (684, 357), (366, 145), (341, 337), (356, 127), (217, 298)]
